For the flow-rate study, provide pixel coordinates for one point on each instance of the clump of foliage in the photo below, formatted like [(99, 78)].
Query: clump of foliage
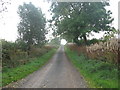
[(55, 41), (32, 25), (89, 42), (11, 53), (15, 53)]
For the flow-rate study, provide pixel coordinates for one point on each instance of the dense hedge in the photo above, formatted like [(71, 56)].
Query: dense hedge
[(15, 54)]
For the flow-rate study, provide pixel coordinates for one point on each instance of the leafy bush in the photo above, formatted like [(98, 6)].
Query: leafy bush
[(16, 53), (36, 51)]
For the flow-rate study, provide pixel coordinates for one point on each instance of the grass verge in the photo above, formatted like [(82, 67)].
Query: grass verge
[(98, 74), (22, 71)]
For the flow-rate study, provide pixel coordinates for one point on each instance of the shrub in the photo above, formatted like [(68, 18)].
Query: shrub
[(15, 54)]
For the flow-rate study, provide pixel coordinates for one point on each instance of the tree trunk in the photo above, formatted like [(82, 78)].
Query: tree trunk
[(85, 39)]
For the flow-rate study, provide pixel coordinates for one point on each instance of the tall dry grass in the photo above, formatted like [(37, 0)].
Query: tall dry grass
[(105, 51)]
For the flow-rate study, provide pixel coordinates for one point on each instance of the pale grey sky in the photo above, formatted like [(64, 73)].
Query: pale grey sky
[(8, 30)]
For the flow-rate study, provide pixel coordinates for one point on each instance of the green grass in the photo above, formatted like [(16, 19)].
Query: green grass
[(14, 74), (98, 74)]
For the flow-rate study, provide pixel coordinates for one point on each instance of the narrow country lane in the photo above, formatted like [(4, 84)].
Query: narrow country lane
[(58, 73)]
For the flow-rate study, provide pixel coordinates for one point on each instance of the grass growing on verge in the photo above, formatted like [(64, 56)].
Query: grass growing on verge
[(20, 72), (98, 74)]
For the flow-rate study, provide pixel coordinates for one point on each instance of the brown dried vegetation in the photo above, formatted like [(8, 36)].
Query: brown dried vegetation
[(107, 51)]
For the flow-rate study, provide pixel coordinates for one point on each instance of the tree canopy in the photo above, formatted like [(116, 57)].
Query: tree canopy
[(76, 20), (32, 25)]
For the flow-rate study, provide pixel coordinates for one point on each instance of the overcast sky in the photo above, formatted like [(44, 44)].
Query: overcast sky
[(8, 25)]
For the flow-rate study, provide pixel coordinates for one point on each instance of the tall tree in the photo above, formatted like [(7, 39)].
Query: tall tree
[(32, 25), (77, 20)]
